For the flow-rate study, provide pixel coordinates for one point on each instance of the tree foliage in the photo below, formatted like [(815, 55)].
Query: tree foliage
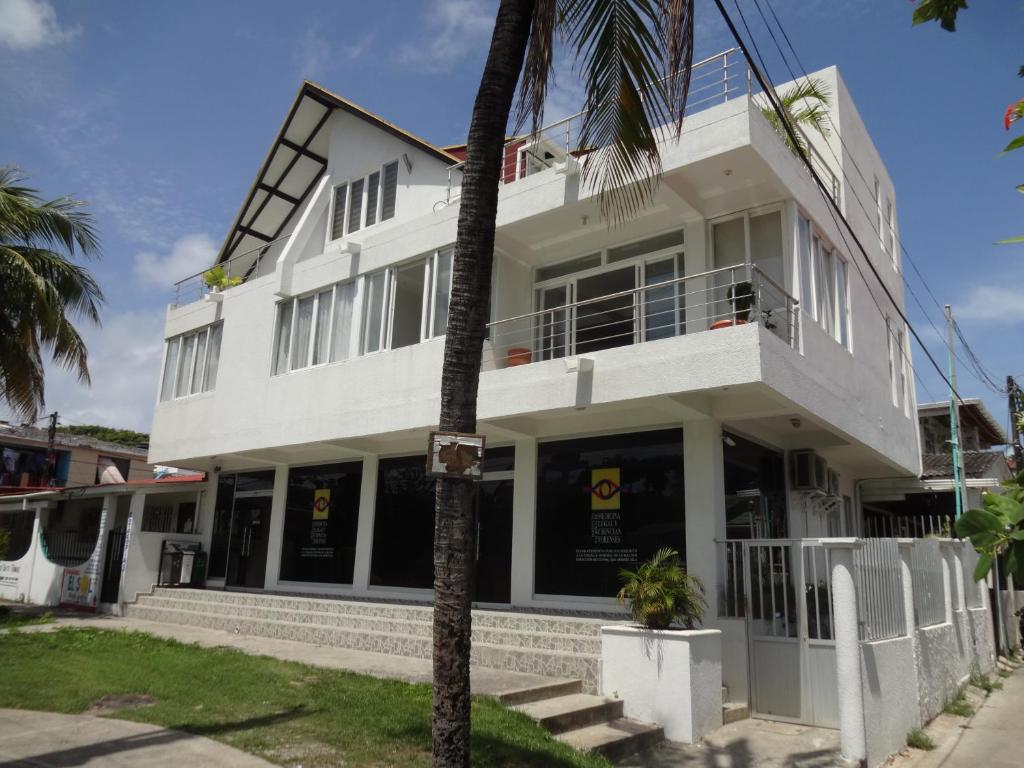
[(42, 290), (805, 105), (108, 434), (997, 531)]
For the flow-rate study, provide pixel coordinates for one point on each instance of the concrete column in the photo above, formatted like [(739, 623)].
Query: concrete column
[(207, 509), (704, 475), (947, 582), (364, 530), (907, 579), (852, 737), (135, 577), (696, 259), (524, 521), (276, 533)]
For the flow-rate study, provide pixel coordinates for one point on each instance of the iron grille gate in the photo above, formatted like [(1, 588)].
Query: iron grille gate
[(112, 558), (788, 608)]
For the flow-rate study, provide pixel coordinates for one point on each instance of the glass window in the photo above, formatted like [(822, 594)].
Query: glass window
[(199, 369), (344, 298), (662, 314), (170, 366), (603, 504), (568, 267), (806, 271), (403, 525), (755, 490), (372, 190), (355, 206), (643, 247), (375, 295), (406, 322), (320, 521), (321, 352), (826, 282), (188, 348), (212, 357), (303, 327), (338, 215), (843, 302), (284, 336), (442, 291), (389, 192)]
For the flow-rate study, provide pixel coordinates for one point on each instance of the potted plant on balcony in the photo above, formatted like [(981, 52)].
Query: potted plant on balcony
[(741, 298), (664, 674), (217, 279)]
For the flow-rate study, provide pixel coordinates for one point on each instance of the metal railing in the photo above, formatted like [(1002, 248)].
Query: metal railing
[(707, 301), (882, 526), (713, 81), (68, 547), (244, 266), (926, 569), (879, 574)]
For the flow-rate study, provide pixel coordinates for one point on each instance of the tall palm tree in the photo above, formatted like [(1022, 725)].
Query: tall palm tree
[(634, 56), (806, 105), (42, 290)]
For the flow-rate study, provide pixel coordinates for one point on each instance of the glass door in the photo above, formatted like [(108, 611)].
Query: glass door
[(606, 322), (552, 327), (247, 546), (494, 542)]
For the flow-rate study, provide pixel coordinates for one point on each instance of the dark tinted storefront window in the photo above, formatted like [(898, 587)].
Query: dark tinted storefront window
[(320, 521), (755, 490), (403, 525), (221, 526), (605, 503), (499, 459)]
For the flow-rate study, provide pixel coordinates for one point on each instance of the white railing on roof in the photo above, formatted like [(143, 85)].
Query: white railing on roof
[(244, 266)]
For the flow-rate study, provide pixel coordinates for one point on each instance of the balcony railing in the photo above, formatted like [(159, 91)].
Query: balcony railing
[(711, 300), (241, 267)]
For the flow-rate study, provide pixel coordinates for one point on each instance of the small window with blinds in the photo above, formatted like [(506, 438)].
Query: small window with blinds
[(338, 219), (364, 201)]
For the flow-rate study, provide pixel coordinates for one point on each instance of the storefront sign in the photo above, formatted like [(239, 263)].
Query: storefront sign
[(605, 490), (455, 454), (78, 588), (321, 503)]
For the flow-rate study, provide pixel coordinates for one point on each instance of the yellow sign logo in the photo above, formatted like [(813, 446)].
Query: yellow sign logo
[(605, 491), (321, 503)]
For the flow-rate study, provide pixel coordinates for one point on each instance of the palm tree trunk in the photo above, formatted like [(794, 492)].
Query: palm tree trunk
[(454, 520)]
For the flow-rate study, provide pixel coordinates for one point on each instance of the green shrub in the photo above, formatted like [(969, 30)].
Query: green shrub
[(959, 706), (660, 592), (982, 682), (918, 739)]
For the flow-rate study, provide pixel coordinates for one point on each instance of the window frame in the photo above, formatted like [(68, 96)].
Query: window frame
[(169, 387), (363, 180), (825, 260), (317, 294)]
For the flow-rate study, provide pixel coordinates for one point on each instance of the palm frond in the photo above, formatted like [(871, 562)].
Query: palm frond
[(537, 68)]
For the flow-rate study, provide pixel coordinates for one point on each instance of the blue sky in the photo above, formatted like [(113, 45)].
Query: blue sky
[(159, 114)]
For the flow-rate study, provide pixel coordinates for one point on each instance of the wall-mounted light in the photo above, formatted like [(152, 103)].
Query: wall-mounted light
[(795, 422)]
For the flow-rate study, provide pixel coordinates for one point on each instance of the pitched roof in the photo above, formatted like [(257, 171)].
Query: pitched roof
[(291, 169), (977, 464)]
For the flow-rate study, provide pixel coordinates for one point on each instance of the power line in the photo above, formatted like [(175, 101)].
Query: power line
[(896, 242), (784, 119)]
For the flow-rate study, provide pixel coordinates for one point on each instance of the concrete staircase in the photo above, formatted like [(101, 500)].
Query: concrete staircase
[(552, 645)]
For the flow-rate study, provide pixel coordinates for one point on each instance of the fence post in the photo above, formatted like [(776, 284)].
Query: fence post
[(906, 545), (948, 584), (852, 738)]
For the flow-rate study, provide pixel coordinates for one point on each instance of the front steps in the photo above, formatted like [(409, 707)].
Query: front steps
[(584, 721), (557, 646)]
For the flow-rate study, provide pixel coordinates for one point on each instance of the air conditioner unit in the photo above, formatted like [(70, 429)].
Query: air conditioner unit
[(833, 483), (810, 472)]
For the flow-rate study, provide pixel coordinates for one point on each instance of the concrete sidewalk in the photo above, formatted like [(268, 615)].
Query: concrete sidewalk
[(992, 738), (484, 681), (44, 739)]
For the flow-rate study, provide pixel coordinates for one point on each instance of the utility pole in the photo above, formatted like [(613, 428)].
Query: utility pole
[(51, 450), (1013, 394), (954, 420)]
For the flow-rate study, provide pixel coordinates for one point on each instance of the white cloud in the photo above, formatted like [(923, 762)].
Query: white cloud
[(451, 31), (31, 23), (316, 57), (188, 255), (124, 361), (999, 304)]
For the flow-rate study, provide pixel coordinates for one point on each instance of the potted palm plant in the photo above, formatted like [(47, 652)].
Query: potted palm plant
[(665, 670), (217, 279)]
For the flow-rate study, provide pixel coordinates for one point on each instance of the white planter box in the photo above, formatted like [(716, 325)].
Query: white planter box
[(665, 676)]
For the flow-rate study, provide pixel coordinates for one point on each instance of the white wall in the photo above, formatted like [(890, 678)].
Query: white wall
[(890, 686)]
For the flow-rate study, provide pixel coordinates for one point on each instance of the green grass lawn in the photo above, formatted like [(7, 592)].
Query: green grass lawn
[(287, 713), (10, 617)]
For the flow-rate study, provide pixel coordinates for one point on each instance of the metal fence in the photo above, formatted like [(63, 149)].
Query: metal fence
[(879, 576), (884, 526), (241, 267), (68, 547), (926, 569), (817, 584)]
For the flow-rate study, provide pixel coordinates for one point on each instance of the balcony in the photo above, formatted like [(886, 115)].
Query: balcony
[(610, 311)]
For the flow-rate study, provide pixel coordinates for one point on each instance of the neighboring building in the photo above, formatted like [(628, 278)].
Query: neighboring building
[(80, 460), (927, 505)]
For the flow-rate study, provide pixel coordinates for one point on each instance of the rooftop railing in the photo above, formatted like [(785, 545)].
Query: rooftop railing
[(712, 300), (241, 267)]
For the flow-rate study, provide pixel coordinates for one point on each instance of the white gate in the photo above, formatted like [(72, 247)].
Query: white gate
[(788, 607)]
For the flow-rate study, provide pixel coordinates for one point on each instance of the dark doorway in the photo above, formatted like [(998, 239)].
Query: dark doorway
[(247, 547), (494, 542), (112, 560)]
